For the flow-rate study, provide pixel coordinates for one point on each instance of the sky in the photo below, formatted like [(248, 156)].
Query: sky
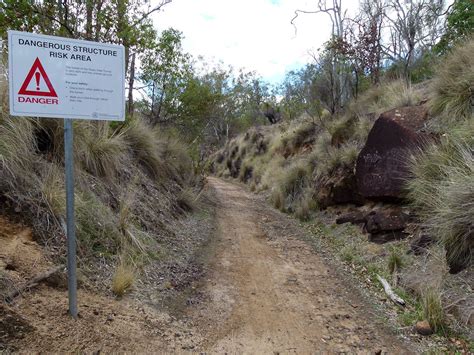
[(255, 35)]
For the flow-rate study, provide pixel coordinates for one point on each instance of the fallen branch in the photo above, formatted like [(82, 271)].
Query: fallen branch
[(388, 290), (32, 283)]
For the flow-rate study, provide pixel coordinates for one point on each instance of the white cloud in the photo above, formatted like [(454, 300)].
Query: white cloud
[(252, 34)]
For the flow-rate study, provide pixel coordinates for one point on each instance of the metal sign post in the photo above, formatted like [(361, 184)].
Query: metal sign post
[(70, 79), (71, 227)]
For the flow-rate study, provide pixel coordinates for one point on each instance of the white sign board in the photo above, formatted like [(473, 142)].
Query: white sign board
[(65, 78)]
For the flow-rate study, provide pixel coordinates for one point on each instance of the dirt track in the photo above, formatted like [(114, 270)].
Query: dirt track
[(274, 295), (265, 292)]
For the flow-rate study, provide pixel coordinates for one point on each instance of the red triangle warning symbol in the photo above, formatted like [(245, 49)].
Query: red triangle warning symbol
[(37, 71)]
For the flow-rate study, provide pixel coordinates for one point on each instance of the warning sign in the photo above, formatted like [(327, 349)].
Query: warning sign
[(40, 75), (60, 77)]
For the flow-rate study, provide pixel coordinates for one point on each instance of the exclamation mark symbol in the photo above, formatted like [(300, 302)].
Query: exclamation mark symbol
[(37, 77)]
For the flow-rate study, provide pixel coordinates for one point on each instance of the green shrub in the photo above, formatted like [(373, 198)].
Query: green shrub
[(453, 86)]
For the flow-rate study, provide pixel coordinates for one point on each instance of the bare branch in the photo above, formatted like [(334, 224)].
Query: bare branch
[(297, 12)]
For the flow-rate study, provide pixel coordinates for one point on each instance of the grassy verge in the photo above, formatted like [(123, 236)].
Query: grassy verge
[(131, 181), (365, 260)]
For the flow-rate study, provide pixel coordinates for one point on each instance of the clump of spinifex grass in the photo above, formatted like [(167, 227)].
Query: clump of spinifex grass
[(103, 151), (453, 86), (442, 190), (291, 185), (384, 97)]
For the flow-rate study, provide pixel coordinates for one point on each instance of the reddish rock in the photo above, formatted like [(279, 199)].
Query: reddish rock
[(423, 328), (386, 225), (381, 165), (421, 244), (385, 237), (355, 217), (386, 221), (340, 188)]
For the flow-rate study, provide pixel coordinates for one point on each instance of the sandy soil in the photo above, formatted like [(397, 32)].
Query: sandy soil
[(262, 294), (274, 295)]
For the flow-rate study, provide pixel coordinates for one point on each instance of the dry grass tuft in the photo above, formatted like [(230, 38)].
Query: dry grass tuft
[(17, 146), (53, 190), (395, 261), (384, 97), (290, 186), (442, 190), (305, 205), (341, 129), (143, 143), (96, 226), (177, 159), (123, 279), (298, 134), (328, 159), (453, 86), (102, 151), (433, 309), (246, 171), (187, 200)]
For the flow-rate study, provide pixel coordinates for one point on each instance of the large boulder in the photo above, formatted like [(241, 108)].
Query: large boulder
[(381, 168)]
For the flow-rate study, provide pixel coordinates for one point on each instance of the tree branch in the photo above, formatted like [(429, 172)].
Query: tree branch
[(155, 9)]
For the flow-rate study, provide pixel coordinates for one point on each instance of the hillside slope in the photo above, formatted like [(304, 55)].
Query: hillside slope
[(396, 163)]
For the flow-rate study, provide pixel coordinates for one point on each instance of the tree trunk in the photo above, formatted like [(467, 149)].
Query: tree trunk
[(160, 105), (89, 10), (152, 109), (98, 25)]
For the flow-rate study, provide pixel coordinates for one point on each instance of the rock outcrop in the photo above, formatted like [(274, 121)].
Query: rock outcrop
[(340, 188), (383, 224), (386, 225), (381, 165)]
